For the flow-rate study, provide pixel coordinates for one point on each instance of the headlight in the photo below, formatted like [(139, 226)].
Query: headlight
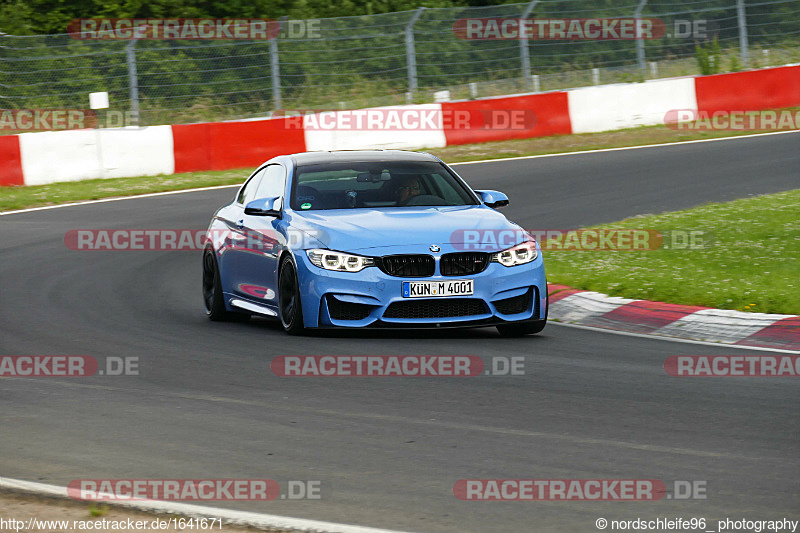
[(330, 260), (517, 255)]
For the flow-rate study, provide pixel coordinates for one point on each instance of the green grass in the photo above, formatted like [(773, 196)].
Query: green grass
[(752, 265), (60, 193), (96, 510)]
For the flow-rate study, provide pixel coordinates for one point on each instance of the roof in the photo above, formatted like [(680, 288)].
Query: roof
[(343, 156)]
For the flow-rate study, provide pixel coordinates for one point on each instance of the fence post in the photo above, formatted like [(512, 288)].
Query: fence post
[(133, 80), (2, 34), (743, 45), (524, 53), (639, 41), (411, 56), (275, 67)]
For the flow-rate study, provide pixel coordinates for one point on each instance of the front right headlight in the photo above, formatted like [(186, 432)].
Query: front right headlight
[(339, 261), (517, 255)]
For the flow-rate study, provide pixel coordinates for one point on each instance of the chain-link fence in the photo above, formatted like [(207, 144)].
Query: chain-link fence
[(386, 59)]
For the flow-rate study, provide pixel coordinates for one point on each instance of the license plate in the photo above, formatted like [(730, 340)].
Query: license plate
[(426, 289)]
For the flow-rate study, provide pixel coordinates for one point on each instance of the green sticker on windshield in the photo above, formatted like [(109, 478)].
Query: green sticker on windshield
[(305, 206)]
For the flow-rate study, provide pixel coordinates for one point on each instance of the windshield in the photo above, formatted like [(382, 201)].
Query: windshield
[(377, 184)]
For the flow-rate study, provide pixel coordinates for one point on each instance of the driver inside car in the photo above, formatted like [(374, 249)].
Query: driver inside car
[(407, 189)]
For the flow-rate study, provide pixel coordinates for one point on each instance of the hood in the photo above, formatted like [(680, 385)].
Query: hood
[(358, 229)]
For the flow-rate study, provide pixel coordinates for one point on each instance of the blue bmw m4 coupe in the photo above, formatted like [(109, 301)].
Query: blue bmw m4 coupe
[(371, 239)]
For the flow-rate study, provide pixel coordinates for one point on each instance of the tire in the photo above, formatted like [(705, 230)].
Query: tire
[(530, 327), (289, 305), (213, 298)]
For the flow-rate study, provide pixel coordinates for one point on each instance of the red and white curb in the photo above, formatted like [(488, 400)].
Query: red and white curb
[(593, 309), (228, 516)]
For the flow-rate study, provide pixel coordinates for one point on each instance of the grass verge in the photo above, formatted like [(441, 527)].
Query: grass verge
[(61, 193), (58, 193), (750, 265)]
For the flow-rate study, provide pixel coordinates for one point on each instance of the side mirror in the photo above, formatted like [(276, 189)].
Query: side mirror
[(265, 207), (493, 199)]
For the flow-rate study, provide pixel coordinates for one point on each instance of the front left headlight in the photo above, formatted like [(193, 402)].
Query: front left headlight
[(517, 255), (339, 261)]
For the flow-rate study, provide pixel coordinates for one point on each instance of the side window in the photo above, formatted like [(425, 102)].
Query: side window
[(248, 192), (272, 182)]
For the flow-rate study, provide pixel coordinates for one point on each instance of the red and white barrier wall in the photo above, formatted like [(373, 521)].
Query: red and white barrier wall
[(47, 157), (354, 139), (626, 105), (99, 153)]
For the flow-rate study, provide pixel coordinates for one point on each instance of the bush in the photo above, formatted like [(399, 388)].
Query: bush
[(708, 57)]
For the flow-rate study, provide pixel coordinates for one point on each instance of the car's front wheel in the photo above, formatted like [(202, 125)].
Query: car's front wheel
[(291, 311)]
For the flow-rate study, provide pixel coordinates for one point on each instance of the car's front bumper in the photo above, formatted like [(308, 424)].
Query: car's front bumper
[(501, 295)]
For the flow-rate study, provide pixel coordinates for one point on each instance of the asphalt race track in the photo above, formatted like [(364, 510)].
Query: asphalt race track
[(592, 405)]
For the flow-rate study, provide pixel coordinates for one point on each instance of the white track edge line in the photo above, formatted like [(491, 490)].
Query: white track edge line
[(620, 148), (243, 518), (117, 199), (200, 189), (673, 339)]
